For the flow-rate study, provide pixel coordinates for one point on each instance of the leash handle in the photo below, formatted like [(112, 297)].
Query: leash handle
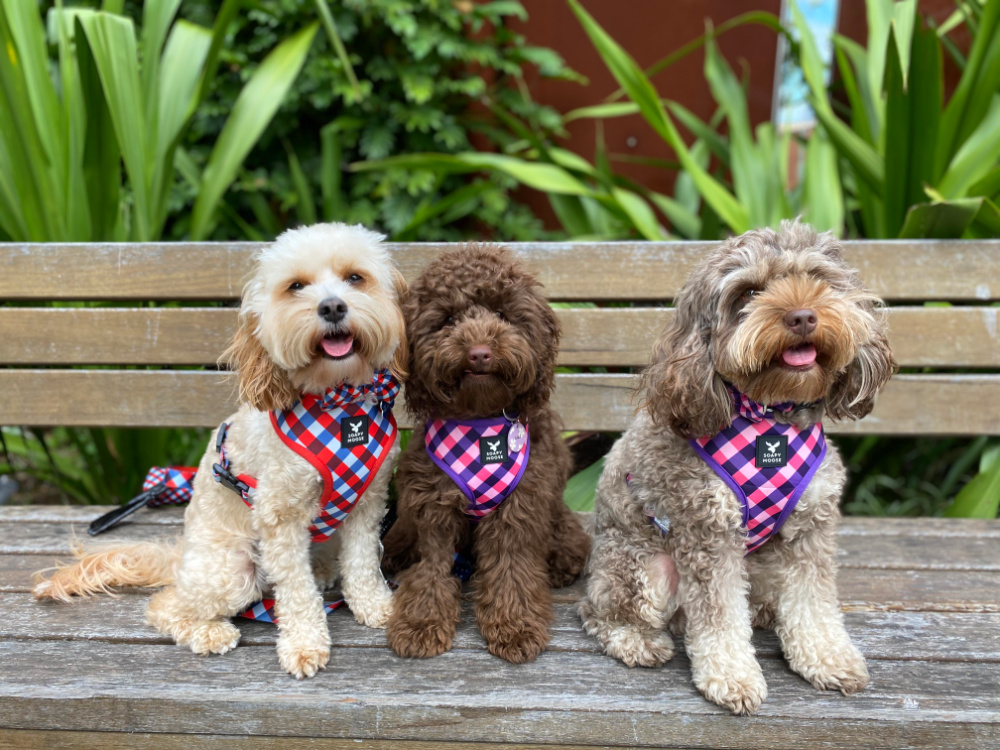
[(116, 516)]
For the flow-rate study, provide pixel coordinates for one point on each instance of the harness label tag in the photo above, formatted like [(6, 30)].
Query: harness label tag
[(354, 431), (772, 451), (493, 450)]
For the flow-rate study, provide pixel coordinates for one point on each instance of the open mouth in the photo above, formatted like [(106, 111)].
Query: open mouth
[(801, 357), (337, 345)]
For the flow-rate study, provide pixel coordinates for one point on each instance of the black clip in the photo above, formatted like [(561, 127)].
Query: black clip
[(227, 479), (116, 516), (221, 436)]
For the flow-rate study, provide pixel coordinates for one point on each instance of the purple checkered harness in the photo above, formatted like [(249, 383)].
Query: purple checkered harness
[(454, 445), (767, 495)]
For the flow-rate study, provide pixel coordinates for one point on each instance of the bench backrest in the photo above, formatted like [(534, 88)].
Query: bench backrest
[(137, 359)]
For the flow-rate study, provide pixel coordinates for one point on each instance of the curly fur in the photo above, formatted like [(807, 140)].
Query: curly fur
[(229, 554), (477, 296), (729, 326)]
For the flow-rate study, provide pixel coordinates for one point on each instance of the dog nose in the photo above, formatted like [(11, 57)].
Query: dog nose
[(332, 309), (803, 322), (480, 355)]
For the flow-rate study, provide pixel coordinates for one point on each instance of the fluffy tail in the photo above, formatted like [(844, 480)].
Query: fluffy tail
[(143, 564)]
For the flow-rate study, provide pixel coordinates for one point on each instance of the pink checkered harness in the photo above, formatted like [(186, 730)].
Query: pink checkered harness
[(465, 450), (767, 464)]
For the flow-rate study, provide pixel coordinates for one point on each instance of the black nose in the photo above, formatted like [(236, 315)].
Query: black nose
[(332, 309), (802, 322)]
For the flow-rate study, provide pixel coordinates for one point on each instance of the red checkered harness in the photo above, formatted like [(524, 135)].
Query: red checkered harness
[(768, 495), (313, 428)]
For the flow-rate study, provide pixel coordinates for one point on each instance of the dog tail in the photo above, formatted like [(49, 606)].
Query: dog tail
[(142, 564)]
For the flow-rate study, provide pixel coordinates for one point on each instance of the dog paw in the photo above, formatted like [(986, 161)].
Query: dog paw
[(419, 640), (637, 648), (376, 611), (515, 642), (326, 576), (843, 669), (741, 694), (302, 659), (213, 637)]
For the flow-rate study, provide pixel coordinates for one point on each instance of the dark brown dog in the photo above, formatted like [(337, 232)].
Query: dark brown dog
[(482, 340)]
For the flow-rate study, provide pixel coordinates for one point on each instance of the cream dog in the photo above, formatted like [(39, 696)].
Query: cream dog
[(320, 320)]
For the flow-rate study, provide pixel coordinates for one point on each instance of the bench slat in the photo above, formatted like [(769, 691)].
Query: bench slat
[(616, 337), (879, 635), (910, 404), (562, 697), (896, 269)]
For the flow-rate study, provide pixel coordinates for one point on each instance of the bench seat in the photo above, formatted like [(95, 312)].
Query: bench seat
[(920, 598)]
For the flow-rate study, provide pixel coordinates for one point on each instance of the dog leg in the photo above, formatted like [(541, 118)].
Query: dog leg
[(427, 606), (569, 548), (714, 596), (629, 602), (364, 587), (513, 598), (303, 635), (325, 558), (802, 580)]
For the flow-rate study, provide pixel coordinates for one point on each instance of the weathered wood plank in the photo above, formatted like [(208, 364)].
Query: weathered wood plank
[(610, 336), (949, 404), (897, 270), (933, 636), (472, 696), (27, 739), (946, 544)]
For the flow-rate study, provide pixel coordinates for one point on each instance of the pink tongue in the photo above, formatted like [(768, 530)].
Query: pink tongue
[(800, 356), (338, 346)]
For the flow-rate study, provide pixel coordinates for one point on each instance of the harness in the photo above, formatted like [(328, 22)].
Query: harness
[(486, 458), (767, 464), (346, 434)]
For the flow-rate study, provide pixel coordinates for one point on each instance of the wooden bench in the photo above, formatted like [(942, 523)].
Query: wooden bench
[(921, 596)]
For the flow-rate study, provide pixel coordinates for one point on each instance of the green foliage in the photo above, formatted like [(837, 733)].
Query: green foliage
[(114, 99), (751, 188), (417, 76), (920, 167)]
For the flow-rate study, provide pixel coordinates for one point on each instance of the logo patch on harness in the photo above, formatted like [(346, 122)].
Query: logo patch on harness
[(354, 431), (493, 449), (772, 451)]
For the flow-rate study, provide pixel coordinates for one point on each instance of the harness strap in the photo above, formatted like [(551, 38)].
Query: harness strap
[(242, 484)]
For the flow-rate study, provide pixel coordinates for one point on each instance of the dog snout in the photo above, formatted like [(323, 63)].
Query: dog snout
[(480, 356), (802, 322), (332, 309)]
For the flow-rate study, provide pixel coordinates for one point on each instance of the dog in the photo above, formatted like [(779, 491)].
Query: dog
[(320, 323), (771, 332), (483, 345)]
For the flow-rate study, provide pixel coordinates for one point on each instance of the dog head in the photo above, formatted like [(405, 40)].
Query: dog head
[(482, 337), (321, 308), (781, 317)]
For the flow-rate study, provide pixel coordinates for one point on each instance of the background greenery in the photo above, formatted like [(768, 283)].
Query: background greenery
[(426, 101)]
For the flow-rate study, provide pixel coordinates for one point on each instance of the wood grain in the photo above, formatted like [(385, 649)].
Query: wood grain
[(472, 696), (910, 404), (897, 270), (612, 336), (929, 636)]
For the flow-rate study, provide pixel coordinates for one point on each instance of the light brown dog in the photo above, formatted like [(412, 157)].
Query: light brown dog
[(291, 340), (781, 318), (483, 344)]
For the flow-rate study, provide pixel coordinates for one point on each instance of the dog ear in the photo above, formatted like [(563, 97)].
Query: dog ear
[(263, 385), (400, 361), (853, 393), (543, 332), (680, 387)]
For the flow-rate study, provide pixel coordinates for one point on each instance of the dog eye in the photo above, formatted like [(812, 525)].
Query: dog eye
[(355, 278), (295, 286), (749, 294), (448, 321), (501, 315)]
